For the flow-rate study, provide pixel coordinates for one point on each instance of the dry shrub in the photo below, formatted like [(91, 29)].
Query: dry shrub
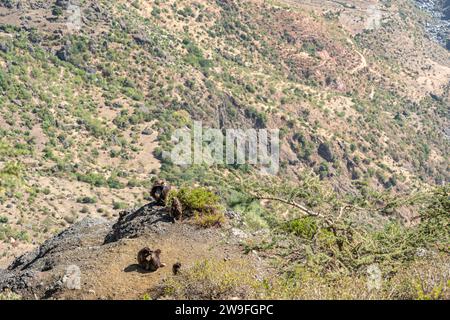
[(211, 279), (9, 295)]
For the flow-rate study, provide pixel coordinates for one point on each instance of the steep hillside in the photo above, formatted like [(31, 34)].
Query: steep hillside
[(438, 27), (91, 92), (333, 255), (108, 265)]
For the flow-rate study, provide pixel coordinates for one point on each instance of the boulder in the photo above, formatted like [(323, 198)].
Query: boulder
[(326, 152)]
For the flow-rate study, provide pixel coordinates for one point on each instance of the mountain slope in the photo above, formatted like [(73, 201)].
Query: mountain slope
[(92, 90)]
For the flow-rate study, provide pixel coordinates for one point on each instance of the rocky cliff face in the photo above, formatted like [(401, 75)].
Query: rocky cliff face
[(446, 9), (439, 26)]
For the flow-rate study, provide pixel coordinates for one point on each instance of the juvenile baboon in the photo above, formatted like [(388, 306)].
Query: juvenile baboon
[(176, 212), (159, 192), (143, 254), (155, 261), (176, 268)]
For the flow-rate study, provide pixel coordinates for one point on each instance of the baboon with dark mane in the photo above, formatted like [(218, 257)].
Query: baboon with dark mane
[(160, 191), (143, 254)]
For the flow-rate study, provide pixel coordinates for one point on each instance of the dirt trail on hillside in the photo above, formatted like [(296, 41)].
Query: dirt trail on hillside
[(362, 65)]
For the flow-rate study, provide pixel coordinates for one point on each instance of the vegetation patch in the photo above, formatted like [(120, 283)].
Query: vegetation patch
[(200, 203)]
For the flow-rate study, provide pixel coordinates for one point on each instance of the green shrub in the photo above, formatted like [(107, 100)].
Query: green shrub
[(201, 203), (57, 11), (94, 179), (211, 279), (211, 219), (7, 232), (117, 205), (86, 200), (9, 295), (114, 183), (303, 227), (197, 199)]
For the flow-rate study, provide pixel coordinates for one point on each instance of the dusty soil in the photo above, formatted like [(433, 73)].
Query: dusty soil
[(109, 270), (114, 274)]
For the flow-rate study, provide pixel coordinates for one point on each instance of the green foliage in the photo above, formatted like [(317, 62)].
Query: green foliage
[(203, 204), (303, 227), (117, 205), (93, 179), (435, 217), (6, 150), (7, 232), (211, 279), (11, 176), (211, 218), (197, 199), (114, 183), (57, 11), (195, 56)]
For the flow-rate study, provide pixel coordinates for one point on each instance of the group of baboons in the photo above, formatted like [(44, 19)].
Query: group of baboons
[(151, 261), (148, 259), (160, 192)]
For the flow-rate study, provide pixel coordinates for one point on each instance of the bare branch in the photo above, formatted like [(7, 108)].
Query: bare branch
[(290, 203)]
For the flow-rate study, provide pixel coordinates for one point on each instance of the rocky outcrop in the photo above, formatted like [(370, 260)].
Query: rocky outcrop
[(446, 9), (86, 232), (132, 224), (27, 273), (48, 269), (326, 152)]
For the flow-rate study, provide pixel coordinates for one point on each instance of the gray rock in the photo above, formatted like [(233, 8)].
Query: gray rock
[(132, 224), (64, 4), (80, 233), (4, 48), (16, 282), (147, 131), (438, 27), (64, 53), (326, 152)]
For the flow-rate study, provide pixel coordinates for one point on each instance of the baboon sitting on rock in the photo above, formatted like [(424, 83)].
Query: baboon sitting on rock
[(176, 211), (159, 192)]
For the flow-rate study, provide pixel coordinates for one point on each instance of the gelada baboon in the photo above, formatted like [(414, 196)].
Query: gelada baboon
[(176, 268), (150, 260), (176, 211), (155, 261), (160, 191), (143, 254)]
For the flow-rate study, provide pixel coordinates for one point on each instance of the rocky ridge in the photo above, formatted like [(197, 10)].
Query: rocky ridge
[(69, 265)]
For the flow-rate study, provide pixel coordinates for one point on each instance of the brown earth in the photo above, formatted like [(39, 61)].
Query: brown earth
[(109, 270)]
